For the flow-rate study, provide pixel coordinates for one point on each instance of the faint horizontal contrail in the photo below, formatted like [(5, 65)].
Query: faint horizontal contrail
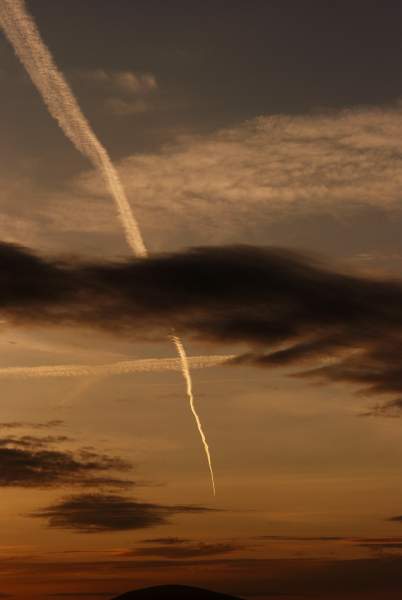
[(145, 365)]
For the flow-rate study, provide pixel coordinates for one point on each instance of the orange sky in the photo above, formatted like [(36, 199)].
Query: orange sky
[(227, 125)]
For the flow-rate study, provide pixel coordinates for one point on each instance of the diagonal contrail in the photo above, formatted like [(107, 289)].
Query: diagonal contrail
[(186, 370), (25, 38), (23, 34)]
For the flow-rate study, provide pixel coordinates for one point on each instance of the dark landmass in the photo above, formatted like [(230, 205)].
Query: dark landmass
[(173, 592)]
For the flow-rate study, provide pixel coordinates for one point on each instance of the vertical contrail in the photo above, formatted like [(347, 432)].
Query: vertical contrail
[(186, 372), (24, 36)]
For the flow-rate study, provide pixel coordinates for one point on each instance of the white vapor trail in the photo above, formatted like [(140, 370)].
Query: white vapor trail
[(145, 365), (186, 371), (22, 32), (25, 38)]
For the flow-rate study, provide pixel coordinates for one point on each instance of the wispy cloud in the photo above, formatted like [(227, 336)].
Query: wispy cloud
[(34, 462), (185, 549), (31, 425), (121, 93), (265, 170), (273, 169), (125, 82)]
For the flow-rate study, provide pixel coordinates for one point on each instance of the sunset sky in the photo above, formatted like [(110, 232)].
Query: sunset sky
[(260, 147)]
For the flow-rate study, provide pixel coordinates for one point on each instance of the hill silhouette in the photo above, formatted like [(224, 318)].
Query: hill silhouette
[(173, 592)]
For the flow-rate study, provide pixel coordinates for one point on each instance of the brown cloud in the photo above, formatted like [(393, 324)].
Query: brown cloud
[(29, 461), (290, 311), (186, 549), (98, 513), (392, 408), (30, 425), (320, 578), (262, 171)]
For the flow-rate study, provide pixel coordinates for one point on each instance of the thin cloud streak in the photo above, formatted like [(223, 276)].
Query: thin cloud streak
[(146, 365)]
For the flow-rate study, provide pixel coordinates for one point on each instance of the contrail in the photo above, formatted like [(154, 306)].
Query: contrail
[(26, 40), (144, 365), (23, 34), (186, 371)]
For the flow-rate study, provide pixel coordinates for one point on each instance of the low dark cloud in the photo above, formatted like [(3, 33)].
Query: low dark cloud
[(382, 546), (98, 513), (286, 538), (395, 519), (29, 425), (32, 441), (32, 461), (392, 408), (288, 310), (368, 578), (81, 595), (183, 549), (165, 541)]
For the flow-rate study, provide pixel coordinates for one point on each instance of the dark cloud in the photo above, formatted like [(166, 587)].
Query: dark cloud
[(183, 549), (382, 546), (165, 541), (29, 461), (32, 441), (376, 544), (98, 513), (286, 538), (392, 408), (289, 310), (80, 595), (368, 578), (29, 425)]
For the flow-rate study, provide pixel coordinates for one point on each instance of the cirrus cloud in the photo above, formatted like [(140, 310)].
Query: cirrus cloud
[(268, 169)]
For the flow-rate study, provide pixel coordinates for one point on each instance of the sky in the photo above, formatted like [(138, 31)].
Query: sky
[(259, 145)]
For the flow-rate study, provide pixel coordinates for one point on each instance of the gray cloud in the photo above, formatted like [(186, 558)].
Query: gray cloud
[(125, 82), (80, 595), (29, 462), (395, 519), (122, 93), (265, 179), (98, 513), (183, 549), (165, 541), (368, 577), (290, 311), (264, 170), (31, 425), (392, 408), (286, 538)]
